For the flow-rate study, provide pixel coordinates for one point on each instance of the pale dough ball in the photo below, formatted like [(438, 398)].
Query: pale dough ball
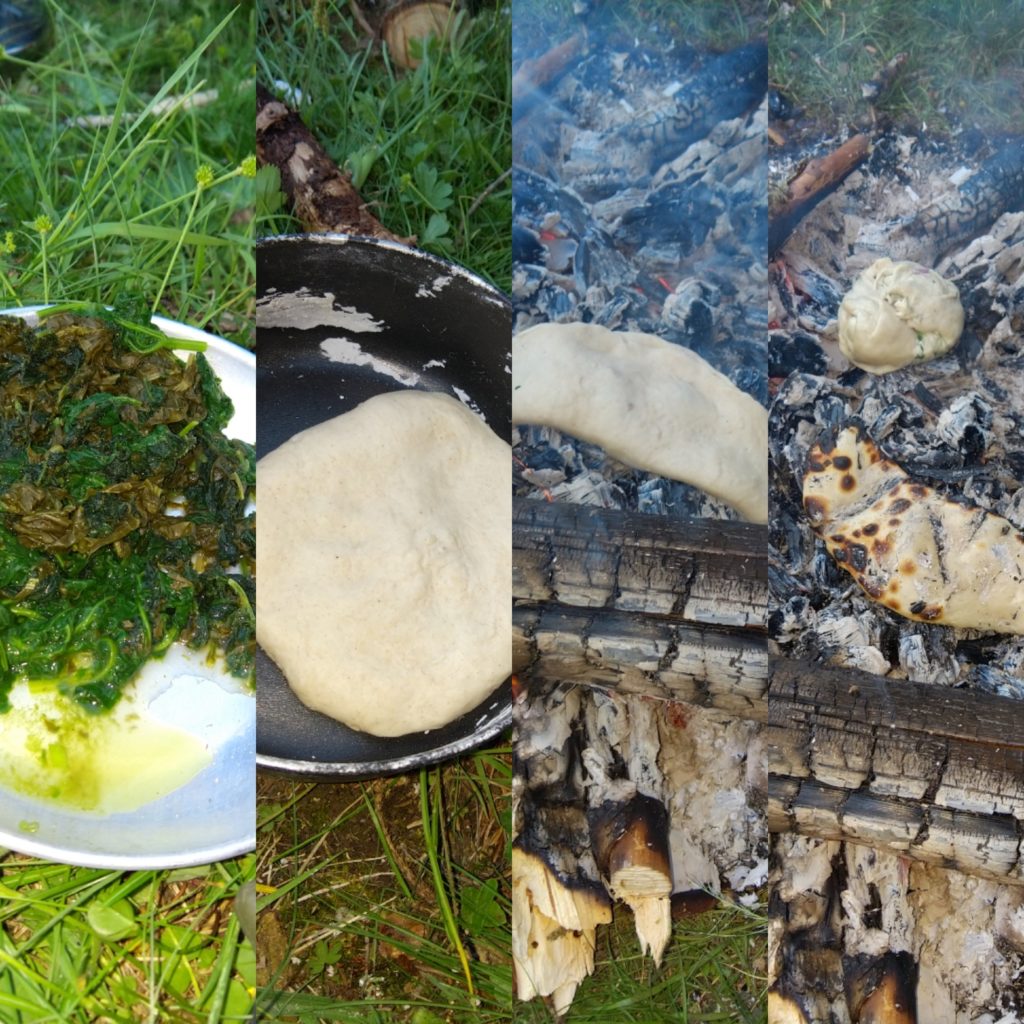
[(385, 561), (898, 313)]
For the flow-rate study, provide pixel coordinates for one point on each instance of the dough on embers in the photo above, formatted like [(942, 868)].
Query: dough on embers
[(385, 550), (651, 404), (909, 548), (897, 314)]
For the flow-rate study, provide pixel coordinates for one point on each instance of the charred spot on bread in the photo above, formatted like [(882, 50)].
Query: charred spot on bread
[(924, 554)]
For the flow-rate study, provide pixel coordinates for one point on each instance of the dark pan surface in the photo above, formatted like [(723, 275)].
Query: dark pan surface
[(434, 327)]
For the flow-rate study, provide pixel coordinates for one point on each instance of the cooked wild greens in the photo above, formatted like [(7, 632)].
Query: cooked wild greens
[(123, 507)]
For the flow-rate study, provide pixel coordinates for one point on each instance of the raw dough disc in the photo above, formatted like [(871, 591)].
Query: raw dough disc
[(652, 404), (385, 550)]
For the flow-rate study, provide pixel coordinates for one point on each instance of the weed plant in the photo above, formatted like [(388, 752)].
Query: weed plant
[(429, 150), (107, 183)]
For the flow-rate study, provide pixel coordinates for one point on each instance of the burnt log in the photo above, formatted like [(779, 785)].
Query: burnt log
[(321, 195), (641, 604), (923, 771), (699, 571)]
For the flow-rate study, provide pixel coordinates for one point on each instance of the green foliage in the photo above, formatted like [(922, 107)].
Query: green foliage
[(428, 149), (269, 197), (80, 945)]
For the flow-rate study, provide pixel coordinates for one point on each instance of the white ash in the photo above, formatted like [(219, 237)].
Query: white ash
[(704, 759)]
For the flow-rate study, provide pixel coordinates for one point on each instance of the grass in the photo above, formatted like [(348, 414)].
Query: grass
[(143, 197), (388, 901), (158, 200), (703, 24), (84, 945), (429, 150), (965, 62), (715, 969)]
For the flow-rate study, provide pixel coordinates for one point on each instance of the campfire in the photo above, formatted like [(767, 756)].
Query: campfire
[(639, 205), (909, 743)]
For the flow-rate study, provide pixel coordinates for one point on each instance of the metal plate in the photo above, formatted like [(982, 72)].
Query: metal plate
[(389, 317), (211, 816)]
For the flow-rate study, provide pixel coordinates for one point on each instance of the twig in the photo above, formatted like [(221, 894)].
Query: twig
[(357, 13), (474, 206)]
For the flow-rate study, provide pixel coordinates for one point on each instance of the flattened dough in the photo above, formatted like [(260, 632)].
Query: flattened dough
[(385, 548), (908, 547), (647, 402)]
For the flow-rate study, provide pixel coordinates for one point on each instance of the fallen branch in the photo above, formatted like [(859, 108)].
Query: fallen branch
[(819, 179), (321, 195)]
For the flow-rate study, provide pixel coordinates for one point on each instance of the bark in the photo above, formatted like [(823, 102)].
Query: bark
[(927, 772), (321, 195), (819, 179)]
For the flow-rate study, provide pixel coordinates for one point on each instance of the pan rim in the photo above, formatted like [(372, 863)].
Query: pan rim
[(493, 723)]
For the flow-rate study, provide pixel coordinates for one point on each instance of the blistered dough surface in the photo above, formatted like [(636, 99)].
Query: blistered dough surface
[(898, 313), (910, 548), (386, 563), (655, 406)]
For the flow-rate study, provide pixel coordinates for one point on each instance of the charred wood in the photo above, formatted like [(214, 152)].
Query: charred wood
[(697, 571), (633, 652), (931, 773), (535, 75), (819, 179)]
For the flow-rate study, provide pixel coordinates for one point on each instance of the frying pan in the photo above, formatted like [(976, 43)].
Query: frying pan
[(392, 318)]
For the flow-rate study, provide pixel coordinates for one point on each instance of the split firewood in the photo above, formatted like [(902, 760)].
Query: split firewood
[(534, 76), (931, 773), (321, 195), (629, 822), (554, 937), (819, 179), (558, 898), (612, 795)]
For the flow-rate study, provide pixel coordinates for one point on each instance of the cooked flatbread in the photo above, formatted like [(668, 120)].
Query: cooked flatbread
[(385, 554), (910, 548), (651, 404)]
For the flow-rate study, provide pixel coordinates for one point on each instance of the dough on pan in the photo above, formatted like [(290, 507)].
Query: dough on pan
[(649, 403), (909, 548), (385, 549)]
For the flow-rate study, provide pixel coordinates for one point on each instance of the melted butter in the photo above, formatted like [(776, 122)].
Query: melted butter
[(53, 751)]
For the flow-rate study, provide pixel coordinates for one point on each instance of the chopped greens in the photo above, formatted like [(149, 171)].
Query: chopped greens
[(124, 510)]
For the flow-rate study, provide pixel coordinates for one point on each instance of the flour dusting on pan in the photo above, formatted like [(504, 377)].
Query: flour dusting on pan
[(344, 350), (304, 311)]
